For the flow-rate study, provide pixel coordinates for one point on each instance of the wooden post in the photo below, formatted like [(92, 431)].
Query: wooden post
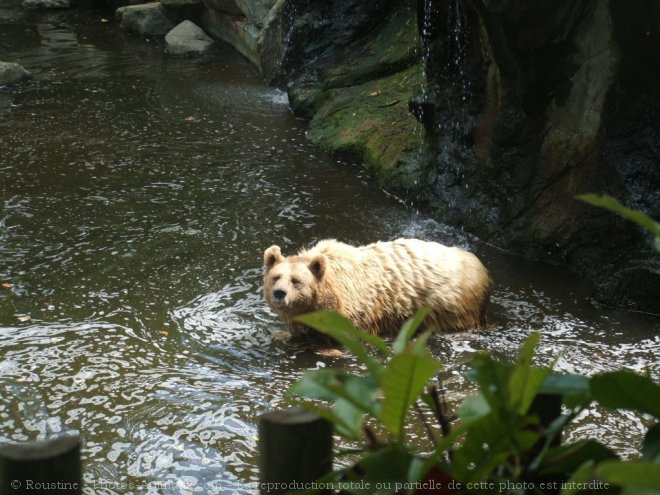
[(44, 467), (295, 448)]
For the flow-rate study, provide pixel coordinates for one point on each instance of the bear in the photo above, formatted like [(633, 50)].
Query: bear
[(379, 286)]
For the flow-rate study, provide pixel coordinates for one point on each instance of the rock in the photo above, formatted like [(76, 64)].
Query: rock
[(355, 85), (187, 39), (372, 121), (254, 10), (270, 47), (11, 73), (320, 37), (47, 4), (148, 19), (236, 31), (225, 6)]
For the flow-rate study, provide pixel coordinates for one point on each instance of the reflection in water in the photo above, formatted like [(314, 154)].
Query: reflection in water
[(137, 196)]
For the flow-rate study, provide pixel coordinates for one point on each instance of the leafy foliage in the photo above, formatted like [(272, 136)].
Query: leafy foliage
[(507, 439)]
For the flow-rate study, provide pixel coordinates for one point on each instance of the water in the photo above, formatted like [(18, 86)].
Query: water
[(137, 195)]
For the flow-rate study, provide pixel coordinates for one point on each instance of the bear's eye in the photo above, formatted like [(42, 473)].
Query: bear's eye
[(276, 278), (295, 281)]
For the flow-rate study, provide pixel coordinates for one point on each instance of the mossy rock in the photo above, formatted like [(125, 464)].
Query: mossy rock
[(372, 121)]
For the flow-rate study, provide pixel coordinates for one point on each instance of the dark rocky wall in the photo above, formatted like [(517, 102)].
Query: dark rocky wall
[(526, 103), (549, 101)]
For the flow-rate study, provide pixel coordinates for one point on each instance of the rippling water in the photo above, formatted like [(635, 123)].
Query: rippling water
[(137, 195)]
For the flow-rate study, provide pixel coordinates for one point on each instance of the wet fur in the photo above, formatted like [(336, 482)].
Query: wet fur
[(380, 285)]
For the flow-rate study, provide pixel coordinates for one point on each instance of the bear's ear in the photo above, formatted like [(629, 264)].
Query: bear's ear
[(317, 266), (272, 256)]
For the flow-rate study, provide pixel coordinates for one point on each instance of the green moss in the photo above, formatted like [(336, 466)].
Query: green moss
[(372, 121)]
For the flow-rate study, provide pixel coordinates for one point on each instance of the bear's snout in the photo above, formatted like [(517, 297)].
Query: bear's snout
[(279, 294)]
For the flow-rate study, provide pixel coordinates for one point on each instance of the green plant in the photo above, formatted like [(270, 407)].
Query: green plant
[(613, 205), (507, 437)]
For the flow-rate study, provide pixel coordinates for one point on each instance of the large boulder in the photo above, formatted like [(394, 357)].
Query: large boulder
[(11, 73), (253, 28), (187, 39), (148, 19), (235, 30), (256, 11)]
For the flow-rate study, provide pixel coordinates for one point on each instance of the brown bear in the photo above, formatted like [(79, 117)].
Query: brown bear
[(378, 286)]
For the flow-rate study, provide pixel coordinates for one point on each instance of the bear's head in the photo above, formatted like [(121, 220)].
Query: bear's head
[(292, 285)]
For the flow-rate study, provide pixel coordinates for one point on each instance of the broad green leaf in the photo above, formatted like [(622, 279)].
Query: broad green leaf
[(493, 378), (363, 391), (566, 459), (489, 440), (333, 384), (340, 329), (632, 474), (651, 445), (581, 475), (402, 381), (473, 408), (309, 385), (612, 204), (523, 388), (525, 381), (327, 321), (573, 388), (565, 384), (526, 439), (351, 419), (526, 352), (626, 390), (342, 426), (418, 346), (408, 331)]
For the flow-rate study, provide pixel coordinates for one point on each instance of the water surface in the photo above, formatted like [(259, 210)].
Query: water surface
[(137, 194)]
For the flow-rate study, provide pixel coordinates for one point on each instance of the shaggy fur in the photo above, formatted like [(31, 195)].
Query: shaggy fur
[(380, 285)]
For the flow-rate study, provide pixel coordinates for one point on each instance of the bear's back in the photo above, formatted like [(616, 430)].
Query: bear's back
[(379, 285)]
